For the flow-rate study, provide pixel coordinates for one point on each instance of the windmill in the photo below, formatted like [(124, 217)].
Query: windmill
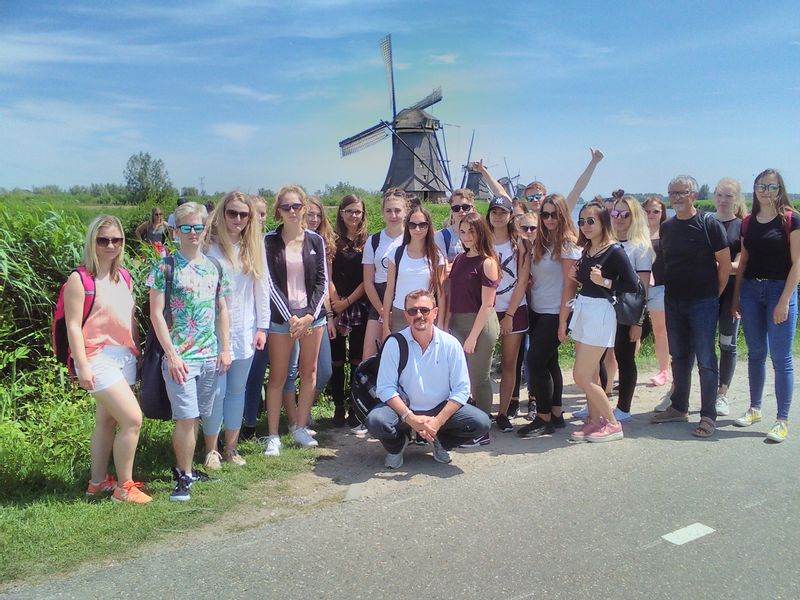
[(473, 180), (417, 165)]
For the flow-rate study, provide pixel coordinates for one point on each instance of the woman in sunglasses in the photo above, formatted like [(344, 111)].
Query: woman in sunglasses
[(103, 347), (766, 286), (416, 264), (297, 266), (554, 255), (462, 202), (602, 269), (234, 238), (656, 212), (155, 230)]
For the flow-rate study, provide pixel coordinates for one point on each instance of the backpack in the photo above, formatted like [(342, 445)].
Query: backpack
[(746, 224), (364, 381), (59, 331), (447, 236)]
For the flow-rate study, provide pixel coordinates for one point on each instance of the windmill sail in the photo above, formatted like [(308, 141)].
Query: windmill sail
[(366, 138), (386, 52), (429, 100)]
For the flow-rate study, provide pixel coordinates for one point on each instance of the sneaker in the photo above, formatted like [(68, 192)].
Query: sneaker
[(129, 492), (660, 378), (753, 415), (273, 446), (622, 416), (723, 410), (664, 404), (303, 439), (581, 435), (359, 429), (478, 441), (418, 441), (778, 433), (213, 461), (440, 455), (181, 491), (195, 475), (558, 421), (513, 408), (531, 410), (581, 413), (395, 461), (338, 417), (609, 432), (233, 457), (536, 428), (310, 430), (102, 489), (504, 424)]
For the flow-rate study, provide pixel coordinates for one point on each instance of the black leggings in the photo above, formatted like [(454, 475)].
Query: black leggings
[(625, 351), (543, 367), (728, 331)]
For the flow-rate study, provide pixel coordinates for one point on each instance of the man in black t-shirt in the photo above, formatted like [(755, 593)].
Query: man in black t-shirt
[(696, 263)]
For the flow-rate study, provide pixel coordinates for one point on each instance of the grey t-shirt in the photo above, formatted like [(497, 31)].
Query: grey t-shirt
[(548, 280)]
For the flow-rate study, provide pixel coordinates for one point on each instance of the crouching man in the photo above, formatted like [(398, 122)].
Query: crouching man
[(430, 395)]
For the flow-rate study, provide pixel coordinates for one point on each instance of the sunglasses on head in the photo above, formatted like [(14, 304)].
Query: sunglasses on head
[(422, 225), (586, 221), (421, 310), (620, 214), (105, 241), (528, 228), (232, 214), (189, 228), (535, 197), (290, 207), (546, 214), (461, 207)]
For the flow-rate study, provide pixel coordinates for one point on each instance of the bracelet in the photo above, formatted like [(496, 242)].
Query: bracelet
[(330, 314), (405, 415)]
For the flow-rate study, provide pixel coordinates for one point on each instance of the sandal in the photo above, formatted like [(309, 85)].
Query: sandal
[(705, 428), (671, 415)]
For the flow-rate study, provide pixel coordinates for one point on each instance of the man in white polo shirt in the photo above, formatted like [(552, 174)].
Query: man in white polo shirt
[(430, 395)]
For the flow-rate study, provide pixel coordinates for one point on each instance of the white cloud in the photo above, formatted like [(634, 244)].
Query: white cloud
[(234, 132), (246, 92), (444, 59)]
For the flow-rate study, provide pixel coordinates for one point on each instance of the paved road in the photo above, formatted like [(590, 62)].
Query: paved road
[(518, 519)]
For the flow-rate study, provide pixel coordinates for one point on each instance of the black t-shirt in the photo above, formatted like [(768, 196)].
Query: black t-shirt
[(347, 271), (615, 267), (733, 229), (768, 255), (687, 251)]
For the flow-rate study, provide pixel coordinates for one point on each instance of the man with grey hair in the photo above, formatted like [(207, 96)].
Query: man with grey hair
[(696, 265)]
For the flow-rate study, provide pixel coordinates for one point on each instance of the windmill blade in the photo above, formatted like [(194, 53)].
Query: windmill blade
[(366, 138), (386, 52), (429, 100), (469, 156)]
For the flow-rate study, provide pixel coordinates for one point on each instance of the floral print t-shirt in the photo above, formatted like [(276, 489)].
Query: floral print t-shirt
[(193, 305)]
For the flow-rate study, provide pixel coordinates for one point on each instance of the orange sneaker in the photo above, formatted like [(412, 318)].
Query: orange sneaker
[(129, 492), (105, 487)]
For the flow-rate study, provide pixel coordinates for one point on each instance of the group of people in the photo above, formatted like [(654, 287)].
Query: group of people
[(309, 297)]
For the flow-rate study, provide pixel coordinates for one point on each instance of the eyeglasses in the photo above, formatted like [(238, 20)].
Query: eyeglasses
[(534, 197), (232, 214), (419, 310), (296, 207), (528, 228), (545, 214), (771, 187), (105, 241), (620, 214), (353, 212), (586, 221), (461, 207), (681, 194), (189, 228), (422, 225), (653, 211)]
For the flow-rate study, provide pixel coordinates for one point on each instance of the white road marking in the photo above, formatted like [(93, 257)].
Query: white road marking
[(688, 534)]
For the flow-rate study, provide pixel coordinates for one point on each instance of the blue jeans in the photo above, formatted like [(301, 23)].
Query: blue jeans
[(254, 387), (691, 331), (467, 423), (229, 399), (324, 368), (758, 299)]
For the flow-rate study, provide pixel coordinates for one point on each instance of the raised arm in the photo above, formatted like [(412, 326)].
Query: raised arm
[(583, 180), (494, 185)]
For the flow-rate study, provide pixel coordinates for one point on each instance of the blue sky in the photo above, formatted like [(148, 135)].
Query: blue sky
[(250, 93)]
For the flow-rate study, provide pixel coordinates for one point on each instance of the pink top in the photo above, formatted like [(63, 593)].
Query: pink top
[(109, 322), (295, 281)]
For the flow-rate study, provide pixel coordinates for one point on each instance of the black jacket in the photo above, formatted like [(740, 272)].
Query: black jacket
[(315, 268)]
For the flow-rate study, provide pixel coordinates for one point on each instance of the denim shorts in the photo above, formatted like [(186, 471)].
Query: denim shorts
[(110, 365), (284, 327), (195, 398), (655, 298)]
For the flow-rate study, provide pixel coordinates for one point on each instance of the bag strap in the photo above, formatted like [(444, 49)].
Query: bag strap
[(375, 240), (126, 276), (169, 272), (398, 256), (447, 236), (89, 291)]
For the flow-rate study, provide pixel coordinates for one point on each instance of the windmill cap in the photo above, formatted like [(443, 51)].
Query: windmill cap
[(503, 203)]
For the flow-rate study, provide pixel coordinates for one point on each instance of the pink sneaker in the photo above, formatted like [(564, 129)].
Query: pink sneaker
[(660, 378), (581, 434), (607, 433)]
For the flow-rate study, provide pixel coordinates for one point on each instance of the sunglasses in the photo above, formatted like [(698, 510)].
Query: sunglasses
[(586, 221), (232, 214), (545, 214), (620, 214), (422, 225), (290, 207), (528, 228), (189, 228), (535, 197), (461, 208), (105, 241), (422, 310), (353, 213)]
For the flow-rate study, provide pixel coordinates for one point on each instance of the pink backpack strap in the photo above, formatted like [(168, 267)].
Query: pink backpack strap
[(89, 289), (126, 276), (745, 225)]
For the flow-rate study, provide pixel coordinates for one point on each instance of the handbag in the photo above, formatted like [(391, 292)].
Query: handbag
[(629, 306)]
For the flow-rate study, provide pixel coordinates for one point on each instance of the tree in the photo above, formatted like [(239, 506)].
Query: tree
[(189, 192), (146, 179), (704, 192)]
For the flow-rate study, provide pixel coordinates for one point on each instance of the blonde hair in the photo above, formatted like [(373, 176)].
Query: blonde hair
[(250, 260), (188, 209), (739, 207), (90, 260), (639, 231), (301, 195)]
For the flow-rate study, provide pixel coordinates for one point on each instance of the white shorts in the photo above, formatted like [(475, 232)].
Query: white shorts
[(593, 322), (110, 365), (655, 298)]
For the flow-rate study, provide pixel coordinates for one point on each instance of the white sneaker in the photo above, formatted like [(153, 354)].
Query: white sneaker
[(395, 461), (440, 455), (273, 446), (359, 430), (723, 410), (311, 432), (666, 402), (303, 439)]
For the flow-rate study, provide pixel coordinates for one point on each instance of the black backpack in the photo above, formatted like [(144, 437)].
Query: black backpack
[(364, 380)]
